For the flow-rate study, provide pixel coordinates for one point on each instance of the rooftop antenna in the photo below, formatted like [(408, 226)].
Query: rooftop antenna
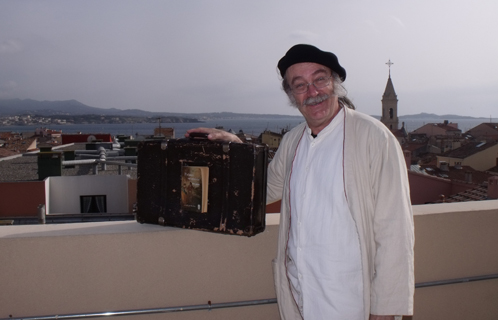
[(159, 131), (389, 63)]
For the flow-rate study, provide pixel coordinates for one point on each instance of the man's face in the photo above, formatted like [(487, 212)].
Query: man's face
[(318, 106)]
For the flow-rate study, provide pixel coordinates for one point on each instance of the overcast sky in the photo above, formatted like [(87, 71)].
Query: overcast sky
[(209, 56)]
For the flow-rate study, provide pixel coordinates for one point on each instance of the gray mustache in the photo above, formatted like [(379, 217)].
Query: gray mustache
[(315, 100)]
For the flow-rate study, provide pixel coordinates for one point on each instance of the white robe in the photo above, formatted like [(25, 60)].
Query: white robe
[(324, 259), (377, 192)]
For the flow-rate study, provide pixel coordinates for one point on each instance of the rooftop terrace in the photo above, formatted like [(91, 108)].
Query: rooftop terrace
[(25, 167)]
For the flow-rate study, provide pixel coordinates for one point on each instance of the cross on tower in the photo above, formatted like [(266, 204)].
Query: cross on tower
[(389, 63)]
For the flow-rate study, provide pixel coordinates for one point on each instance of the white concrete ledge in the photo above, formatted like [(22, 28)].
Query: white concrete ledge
[(112, 266), (469, 206), (95, 228), (78, 229)]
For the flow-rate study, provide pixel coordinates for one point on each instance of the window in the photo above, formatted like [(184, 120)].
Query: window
[(93, 204)]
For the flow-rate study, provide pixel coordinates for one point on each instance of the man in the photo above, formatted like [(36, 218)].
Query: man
[(345, 248)]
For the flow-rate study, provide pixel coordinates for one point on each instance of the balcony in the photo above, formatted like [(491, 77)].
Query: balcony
[(93, 268)]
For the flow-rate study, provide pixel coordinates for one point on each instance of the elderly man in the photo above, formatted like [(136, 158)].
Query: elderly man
[(345, 247)]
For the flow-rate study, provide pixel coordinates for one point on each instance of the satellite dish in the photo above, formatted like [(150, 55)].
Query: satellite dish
[(91, 138)]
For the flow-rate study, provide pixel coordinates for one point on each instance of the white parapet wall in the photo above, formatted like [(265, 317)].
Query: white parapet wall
[(64, 192), (111, 266)]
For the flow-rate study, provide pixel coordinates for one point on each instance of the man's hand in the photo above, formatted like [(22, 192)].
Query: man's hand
[(215, 134), (374, 317)]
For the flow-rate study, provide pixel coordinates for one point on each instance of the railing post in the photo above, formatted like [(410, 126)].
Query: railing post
[(41, 214)]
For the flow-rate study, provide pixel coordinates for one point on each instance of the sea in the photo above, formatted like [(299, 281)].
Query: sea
[(247, 125)]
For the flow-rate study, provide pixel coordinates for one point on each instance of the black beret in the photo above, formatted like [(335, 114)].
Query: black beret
[(308, 53)]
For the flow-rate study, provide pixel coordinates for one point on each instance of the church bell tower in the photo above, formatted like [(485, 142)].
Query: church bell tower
[(390, 104)]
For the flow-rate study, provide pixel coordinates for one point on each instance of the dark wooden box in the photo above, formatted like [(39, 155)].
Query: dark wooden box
[(201, 184)]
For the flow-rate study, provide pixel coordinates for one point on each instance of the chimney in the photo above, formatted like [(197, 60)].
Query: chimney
[(493, 187), (443, 166), (408, 158), (468, 176)]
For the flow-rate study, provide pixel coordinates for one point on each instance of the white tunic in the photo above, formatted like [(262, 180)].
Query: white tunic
[(324, 261)]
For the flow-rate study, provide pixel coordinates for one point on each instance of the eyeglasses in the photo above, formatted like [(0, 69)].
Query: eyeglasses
[(302, 87)]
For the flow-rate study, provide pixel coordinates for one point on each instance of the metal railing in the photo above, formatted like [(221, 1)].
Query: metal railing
[(211, 306), (455, 281)]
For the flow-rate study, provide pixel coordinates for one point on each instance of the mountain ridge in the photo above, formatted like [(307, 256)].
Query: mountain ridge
[(13, 107)]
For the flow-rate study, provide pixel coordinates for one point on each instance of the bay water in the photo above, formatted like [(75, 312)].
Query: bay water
[(250, 126)]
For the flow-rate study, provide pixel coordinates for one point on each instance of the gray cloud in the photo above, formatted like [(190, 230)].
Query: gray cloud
[(221, 55), (10, 46)]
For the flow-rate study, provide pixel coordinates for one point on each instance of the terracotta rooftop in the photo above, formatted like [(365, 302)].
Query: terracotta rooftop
[(7, 153), (412, 146), (461, 174), (5, 135), (469, 149), (474, 194), (400, 132), (446, 127), (491, 125)]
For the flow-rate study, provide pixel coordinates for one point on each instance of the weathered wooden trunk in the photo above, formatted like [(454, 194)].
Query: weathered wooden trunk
[(201, 184)]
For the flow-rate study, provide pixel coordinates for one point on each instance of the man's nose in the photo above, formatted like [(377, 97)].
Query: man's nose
[(312, 91)]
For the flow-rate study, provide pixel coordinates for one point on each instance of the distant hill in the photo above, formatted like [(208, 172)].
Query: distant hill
[(434, 117), (12, 107), (48, 108), (424, 115)]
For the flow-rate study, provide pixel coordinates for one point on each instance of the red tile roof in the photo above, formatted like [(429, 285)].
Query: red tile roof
[(7, 153), (469, 149), (474, 194), (458, 174)]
